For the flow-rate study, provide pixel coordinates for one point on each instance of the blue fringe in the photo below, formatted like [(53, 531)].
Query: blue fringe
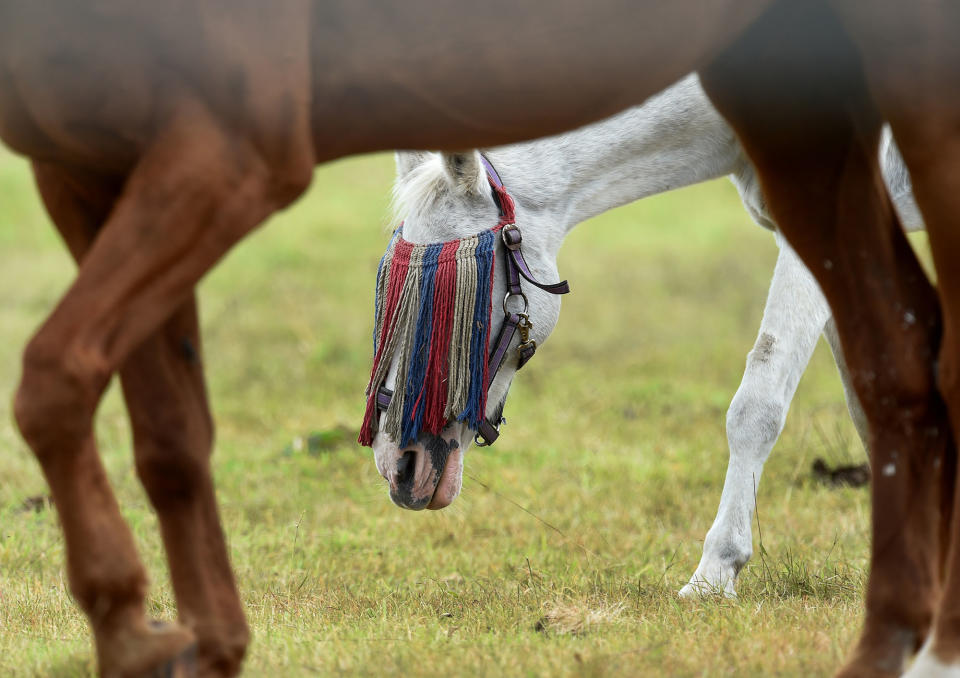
[(473, 413), (417, 373)]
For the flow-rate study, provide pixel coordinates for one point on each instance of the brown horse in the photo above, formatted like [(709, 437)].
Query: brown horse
[(163, 133)]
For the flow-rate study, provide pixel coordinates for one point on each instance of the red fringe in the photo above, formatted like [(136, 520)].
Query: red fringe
[(399, 266), (435, 388)]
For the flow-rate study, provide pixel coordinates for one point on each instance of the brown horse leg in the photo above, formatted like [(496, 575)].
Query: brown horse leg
[(916, 86), (933, 155), (79, 204), (804, 116), (188, 200), (173, 436), (172, 428), (931, 148)]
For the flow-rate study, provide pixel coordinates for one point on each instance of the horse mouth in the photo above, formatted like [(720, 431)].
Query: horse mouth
[(451, 478), (425, 475)]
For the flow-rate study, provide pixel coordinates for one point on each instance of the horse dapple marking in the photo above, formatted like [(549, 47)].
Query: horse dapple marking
[(674, 139), (163, 133)]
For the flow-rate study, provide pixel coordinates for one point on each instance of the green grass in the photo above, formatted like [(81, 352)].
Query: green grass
[(615, 448)]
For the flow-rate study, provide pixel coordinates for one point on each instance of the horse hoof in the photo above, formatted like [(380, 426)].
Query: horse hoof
[(184, 665), (151, 650)]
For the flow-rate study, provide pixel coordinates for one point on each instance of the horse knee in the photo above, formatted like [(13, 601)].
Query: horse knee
[(172, 455), (57, 396), (754, 423)]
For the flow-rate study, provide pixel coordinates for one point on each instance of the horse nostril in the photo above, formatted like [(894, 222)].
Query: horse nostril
[(406, 468)]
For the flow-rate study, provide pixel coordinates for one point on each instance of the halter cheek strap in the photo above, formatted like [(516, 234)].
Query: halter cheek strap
[(514, 322)]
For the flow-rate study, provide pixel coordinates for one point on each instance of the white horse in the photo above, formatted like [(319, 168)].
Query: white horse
[(675, 139)]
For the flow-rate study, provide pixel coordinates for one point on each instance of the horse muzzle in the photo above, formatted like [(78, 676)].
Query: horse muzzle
[(425, 474)]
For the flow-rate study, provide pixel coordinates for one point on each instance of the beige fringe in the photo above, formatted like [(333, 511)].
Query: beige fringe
[(458, 384), (383, 285), (403, 337)]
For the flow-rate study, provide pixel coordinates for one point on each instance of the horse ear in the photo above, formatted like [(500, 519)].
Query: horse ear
[(408, 160), (465, 170)]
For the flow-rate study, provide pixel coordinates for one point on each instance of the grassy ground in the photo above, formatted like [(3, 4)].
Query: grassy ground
[(615, 450)]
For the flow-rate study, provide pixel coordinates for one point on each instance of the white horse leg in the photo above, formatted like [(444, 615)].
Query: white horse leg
[(792, 321), (853, 402)]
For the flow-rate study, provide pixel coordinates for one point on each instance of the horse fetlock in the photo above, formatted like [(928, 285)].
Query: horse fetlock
[(220, 650), (933, 662), (722, 560), (727, 556), (883, 650), (111, 591)]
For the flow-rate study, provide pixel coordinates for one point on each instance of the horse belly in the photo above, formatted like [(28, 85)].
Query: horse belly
[(72, 89)]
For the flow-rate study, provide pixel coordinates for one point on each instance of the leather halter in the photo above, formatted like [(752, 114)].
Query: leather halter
[(513, 322)]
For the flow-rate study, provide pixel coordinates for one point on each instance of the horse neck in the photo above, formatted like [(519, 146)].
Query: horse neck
[(675, 139)]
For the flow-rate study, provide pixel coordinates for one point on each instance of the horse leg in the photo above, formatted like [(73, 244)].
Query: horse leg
[(172, 431), (933, 158), (928, 134), (79, 204), (792, 320), (810, 127), (914, 83), (854, 407), (173, 437), (190, 198)]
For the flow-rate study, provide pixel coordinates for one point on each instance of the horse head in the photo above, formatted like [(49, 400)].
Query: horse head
[(449, 202)]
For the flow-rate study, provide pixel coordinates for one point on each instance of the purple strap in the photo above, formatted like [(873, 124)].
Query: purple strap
[(510, 325), (491, 172), (517, 265)]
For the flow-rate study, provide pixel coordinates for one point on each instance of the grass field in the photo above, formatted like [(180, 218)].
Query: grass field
[(615, 451)]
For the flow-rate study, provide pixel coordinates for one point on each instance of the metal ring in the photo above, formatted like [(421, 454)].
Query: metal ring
[(506, 298)]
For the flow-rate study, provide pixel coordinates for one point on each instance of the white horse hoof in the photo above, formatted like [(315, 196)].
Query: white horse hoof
[(699, 587)]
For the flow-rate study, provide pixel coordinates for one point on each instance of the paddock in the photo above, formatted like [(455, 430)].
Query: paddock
[(563, 554)]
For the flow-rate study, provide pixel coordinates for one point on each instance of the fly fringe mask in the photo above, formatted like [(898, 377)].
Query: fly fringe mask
[(432, 314)]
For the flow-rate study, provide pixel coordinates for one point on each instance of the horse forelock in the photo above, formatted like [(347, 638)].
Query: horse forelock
[(417, 192)]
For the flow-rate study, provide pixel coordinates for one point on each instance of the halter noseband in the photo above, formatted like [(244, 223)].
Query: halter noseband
[(513, 322)]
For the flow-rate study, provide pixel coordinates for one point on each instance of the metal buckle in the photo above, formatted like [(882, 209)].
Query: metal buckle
[(524, 327), (507, 243), (480, 441)]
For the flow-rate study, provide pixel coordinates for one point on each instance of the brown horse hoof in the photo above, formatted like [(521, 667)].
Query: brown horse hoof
[(151, 650), (183, 665)]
